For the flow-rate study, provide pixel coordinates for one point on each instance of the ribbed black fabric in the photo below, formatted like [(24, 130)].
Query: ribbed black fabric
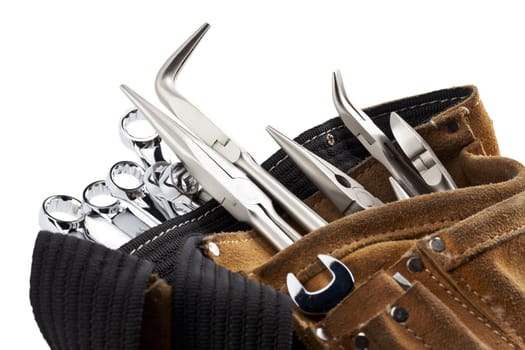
[(214, 308), (86, 296), (161, 243)]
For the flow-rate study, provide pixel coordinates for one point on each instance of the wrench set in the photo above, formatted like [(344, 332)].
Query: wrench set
[(210, 165)]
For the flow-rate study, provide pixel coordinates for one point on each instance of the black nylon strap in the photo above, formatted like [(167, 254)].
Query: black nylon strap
[(86, 296), (214, 308)]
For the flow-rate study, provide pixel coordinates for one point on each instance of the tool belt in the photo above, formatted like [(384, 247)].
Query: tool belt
[(443, 270)]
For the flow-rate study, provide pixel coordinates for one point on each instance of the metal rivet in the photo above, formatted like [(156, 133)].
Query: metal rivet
[(399, 314), (321, 334), (214, 249), (330, 139), (361, 341), (452, 126), (414, 264), (437, 244)]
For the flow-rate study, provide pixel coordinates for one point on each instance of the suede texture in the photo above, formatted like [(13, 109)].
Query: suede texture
[(244, 251), (470, 296), (430, 325)]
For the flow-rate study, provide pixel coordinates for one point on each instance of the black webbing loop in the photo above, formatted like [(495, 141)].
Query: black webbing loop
[(86, 296), (214, 308)]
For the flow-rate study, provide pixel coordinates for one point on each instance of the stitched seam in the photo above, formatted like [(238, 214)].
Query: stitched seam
[(237, 241), (411, 331), (380, 240), (470, 250), (374, 117), (492, 308), (304, 143), (174, 227), (283, 159), (423, 104), (484, 321)]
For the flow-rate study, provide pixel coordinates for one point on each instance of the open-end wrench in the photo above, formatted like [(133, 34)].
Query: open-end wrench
[(98, 201), (125, 180)]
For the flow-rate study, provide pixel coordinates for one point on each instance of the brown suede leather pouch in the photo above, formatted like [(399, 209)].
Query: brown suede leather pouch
[(470, 295)]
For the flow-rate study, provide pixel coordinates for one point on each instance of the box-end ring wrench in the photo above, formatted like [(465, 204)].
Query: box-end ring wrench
[(63, 214), (136, 133), (244, 200), (152, 177), (169, 185), (145, 144), (66, 215), (98, 201), (125, 180)]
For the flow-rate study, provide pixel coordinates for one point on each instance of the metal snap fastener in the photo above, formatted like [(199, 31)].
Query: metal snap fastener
[(361, 341), (437, 244), (330, 139), (399, 314), (214, 249), (321, 334), (414, 264)]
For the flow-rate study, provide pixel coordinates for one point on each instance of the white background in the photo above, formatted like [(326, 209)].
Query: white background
[(265, 63)]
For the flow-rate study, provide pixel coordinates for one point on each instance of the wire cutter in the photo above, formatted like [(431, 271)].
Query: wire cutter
[(429, 175)]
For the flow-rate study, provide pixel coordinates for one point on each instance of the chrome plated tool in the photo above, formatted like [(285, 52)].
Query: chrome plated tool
[(152, 185), (348, 195), (321, 301), (224, 181), (214, 137), (125, 180), (137, 134), (421, 155), (63, 214), (376, 142), (172, 199), (98, 201), (177, 176), (243, 199), (172, 183)]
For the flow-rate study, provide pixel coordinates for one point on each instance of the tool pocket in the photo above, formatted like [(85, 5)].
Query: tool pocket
[(416, 320), (382, 315), (482, 259), (382, 239)]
